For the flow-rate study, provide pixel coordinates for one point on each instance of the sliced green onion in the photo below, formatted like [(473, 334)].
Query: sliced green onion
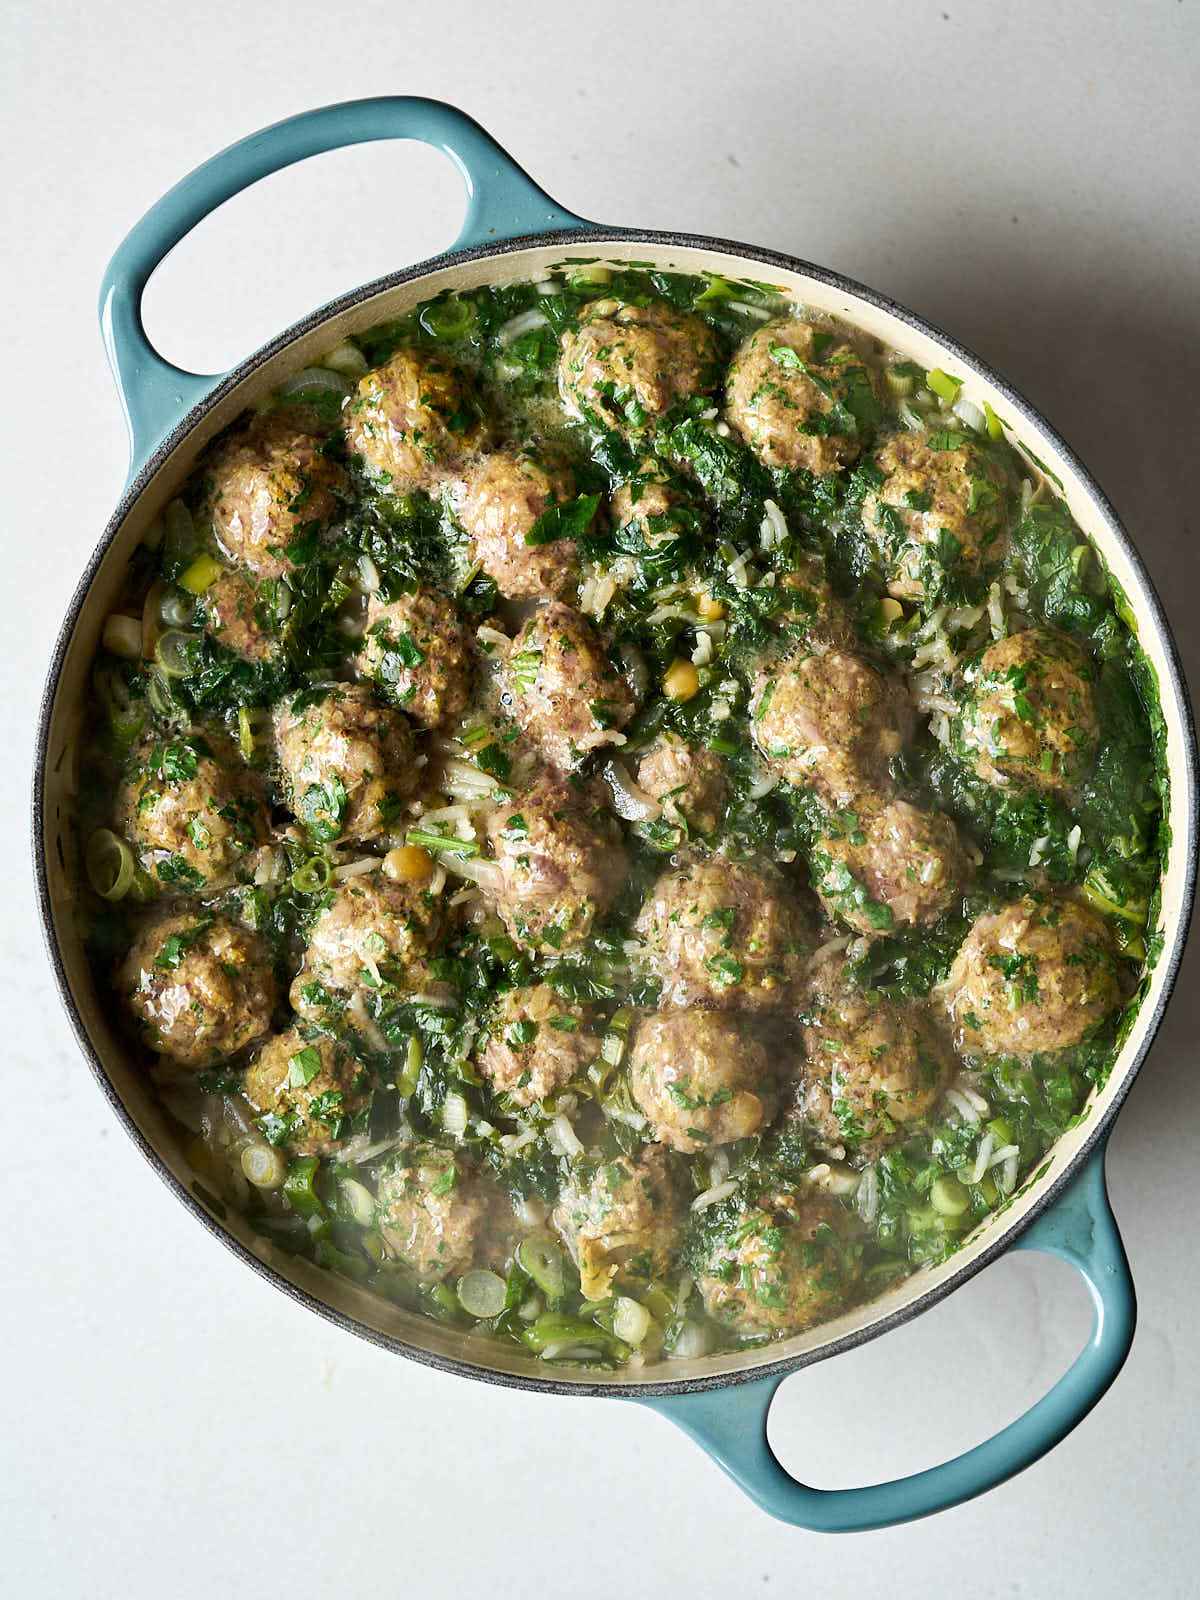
[(451, 318), (262, 1166), (200, 574), (312, 876), (414, 1057), (360, 1202), (901, 378), (299, 1188), (541, 1258), (122, 636), (111, 867), (347, 359), (943, 385), (482, 1294), (631, 1320), (571, 1338), (442, 844), (173, 652), (455, 1114), (180, 535), (591, 273), (245, 733), (995, 427), (315, 381), (948, 1197)]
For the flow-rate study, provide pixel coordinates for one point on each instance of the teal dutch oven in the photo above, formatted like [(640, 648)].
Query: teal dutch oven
[(513, 230)]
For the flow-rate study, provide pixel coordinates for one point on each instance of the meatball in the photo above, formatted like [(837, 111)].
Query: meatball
[(414, 420), (433, 1212), (725, 935), (200, 987), (269, 487), (938, 512), (872, 1065), (373, 935), (193, 822), (688, 781), (1029, 716), (887, 865), (701, 1079), (230, 613), (801, 397), (621, 1218), (808, 607), (306, 1092), (564, 691), (1038, 975), (418, 653), (655, 504), (538, 1043), (829, 721), (559, 864), (498, 506), (624, 366), (347, 763), (775, 1273)]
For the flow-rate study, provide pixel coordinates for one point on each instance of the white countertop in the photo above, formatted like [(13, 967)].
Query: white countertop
[(1023, 175)]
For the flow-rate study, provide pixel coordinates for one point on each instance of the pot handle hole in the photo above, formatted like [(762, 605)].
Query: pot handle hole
[(730, 1422), (503, 202)]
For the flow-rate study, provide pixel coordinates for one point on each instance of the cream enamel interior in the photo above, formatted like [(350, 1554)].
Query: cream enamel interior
[(372, 1313)]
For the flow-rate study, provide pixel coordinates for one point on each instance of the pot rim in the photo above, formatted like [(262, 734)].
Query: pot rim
[(1147, 1022)]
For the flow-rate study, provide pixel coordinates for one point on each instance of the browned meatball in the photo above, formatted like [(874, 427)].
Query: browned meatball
[(701, 1078), (371, 938), (346, 761), (621, 1219), (201, 987), (1029, 717), (775, 1273), (194, 823), (232, 613), (941, 511), (725, 935), (808, 607), (418, 653), (434, 1213), (887, 865), (270, 486), (562, 688), (688, 781), (537, 1043), (560, 863), (830, 722), (499, 505), (1038, 975), (872, 1065), (624, 366), (414, 420), (800, 396), (305, 1091)]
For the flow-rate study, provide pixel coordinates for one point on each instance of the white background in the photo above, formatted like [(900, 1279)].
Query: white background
[(1024, 175)]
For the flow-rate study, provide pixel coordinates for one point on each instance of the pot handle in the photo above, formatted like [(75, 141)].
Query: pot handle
[(503, 202), (730, 1422)]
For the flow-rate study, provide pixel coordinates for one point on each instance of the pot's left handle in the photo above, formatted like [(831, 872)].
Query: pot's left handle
[(503, 202), (730, 1423)]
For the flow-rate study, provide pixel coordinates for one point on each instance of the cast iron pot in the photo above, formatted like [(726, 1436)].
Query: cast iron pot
[(512, 231)]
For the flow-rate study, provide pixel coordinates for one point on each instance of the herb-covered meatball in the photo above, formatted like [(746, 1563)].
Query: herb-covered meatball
[(1029, 717), (621, 1219), (808, 608), (268, 488), (560, 863), (779, 1272), (418, 654), (1038, 975), (624, 366), (564, 691), (193, 822), (872, 1065), (830, 722), (941, 512), (434, 1212), (201, 987), (688, 781), (373, 937), (232, 613), (347, 763), (306, 1092), (800, 396), (701, 1078), (506, 507), (537, 1043), (725, 935), (414, 420), (887, 865)]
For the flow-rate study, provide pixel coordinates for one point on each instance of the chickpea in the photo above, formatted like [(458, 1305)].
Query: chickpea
[(681, 681), (711, 610), (408, 863)]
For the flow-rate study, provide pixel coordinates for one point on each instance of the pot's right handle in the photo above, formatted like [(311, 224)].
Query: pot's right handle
[(730, 1422), (503, 202)]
